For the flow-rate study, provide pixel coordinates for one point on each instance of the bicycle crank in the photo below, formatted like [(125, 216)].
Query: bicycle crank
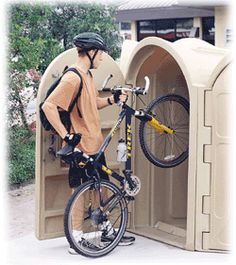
[(137, 186)]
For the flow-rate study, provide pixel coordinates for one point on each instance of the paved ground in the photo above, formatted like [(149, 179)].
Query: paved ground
[(21, 211), (25, 249)]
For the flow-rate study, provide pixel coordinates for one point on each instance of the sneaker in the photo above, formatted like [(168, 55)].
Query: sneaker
[(107, 228), (125, 240), (87, 244), (78, 237), (72, 251)]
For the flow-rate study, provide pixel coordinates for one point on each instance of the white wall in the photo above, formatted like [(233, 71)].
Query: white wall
[(223, 26)]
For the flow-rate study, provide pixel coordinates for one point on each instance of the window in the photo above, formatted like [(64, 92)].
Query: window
[(125, 26), (165, 29), (183, 28), (146, 29), (168, 29), (208, 29)]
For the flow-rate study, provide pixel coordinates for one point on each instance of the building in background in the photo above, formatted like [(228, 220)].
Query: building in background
[(172, 20)]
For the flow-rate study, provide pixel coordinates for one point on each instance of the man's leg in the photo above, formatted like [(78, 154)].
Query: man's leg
[(78, 208), (75, 176), (110, 232), (78, 213)]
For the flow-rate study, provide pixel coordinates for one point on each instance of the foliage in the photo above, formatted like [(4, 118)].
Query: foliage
[(30, 38), (29, 50), (21, 155), (67, 20)]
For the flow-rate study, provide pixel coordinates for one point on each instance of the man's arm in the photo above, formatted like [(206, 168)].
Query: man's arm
[(103, 102), (61, 98), (53, 117)]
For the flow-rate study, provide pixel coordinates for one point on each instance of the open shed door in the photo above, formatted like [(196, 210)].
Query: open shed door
[(217, 109), (52, 189)]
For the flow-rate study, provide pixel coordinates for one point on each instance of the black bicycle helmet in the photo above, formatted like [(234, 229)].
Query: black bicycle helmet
[(89, 41)]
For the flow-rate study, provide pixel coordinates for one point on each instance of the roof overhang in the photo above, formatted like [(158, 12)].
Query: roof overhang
[(163, 13)]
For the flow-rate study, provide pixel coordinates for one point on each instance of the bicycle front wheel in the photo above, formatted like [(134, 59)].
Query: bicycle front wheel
[(163, 149), (95, 218)]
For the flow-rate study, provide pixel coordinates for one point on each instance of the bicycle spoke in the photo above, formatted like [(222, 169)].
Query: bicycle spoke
[(168, 112), (180, 113), (180, 138), (177, 126), (158, 136), (182, 132), (180, 145), (170, 142), (164, 148)]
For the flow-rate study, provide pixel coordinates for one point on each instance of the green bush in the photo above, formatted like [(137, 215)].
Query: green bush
[(21, 155)]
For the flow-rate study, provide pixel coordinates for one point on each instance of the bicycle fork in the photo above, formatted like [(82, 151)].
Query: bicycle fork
[(153, 122), (161, 128)]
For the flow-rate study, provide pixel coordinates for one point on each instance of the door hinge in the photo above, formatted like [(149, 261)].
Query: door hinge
[(206, 204), (205, 240), (205, 213)]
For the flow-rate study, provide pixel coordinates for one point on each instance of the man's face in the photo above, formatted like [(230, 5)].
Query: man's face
[(98, 58)]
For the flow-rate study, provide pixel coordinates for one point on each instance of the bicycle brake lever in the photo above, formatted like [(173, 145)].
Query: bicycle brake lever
[(106, 81), (147, 84)]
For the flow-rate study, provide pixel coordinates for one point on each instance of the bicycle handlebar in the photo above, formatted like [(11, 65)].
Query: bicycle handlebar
[(106, 89), (83, 154), (135, 90)]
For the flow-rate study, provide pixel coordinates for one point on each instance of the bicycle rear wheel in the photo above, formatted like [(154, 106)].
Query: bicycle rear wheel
[(166, 150), (94, 226)]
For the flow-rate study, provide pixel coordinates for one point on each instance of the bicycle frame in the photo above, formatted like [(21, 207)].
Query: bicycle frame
[(127, 113)]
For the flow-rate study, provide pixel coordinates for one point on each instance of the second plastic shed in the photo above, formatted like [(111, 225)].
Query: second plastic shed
[(187, 205), (177, 206)]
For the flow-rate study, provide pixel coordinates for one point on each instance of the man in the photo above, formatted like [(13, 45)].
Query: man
[(85, 132)]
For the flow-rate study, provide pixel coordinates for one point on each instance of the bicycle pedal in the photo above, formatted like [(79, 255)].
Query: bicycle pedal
[(130, 198)]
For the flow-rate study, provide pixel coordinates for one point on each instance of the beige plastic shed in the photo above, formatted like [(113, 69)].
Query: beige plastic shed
[(185, 206)]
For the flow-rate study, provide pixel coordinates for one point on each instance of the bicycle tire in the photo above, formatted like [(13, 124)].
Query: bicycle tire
[(68, 212), (156, 103)]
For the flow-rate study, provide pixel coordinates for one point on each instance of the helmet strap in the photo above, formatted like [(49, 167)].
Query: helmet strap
[(92, 58)]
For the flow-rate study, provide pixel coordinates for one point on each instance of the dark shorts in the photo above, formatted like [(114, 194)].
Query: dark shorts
[(77, 176)]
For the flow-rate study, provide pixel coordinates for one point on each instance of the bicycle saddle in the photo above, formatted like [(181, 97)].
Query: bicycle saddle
[(65, 151)]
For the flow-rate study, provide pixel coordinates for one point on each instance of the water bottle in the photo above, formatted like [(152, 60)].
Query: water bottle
[(121, 151)]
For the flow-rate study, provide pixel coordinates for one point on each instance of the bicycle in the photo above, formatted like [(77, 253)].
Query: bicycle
[(104, 213)]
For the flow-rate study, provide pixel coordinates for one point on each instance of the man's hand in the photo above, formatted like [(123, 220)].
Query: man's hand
[(123, 97), (72, 138), (120, 96)]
